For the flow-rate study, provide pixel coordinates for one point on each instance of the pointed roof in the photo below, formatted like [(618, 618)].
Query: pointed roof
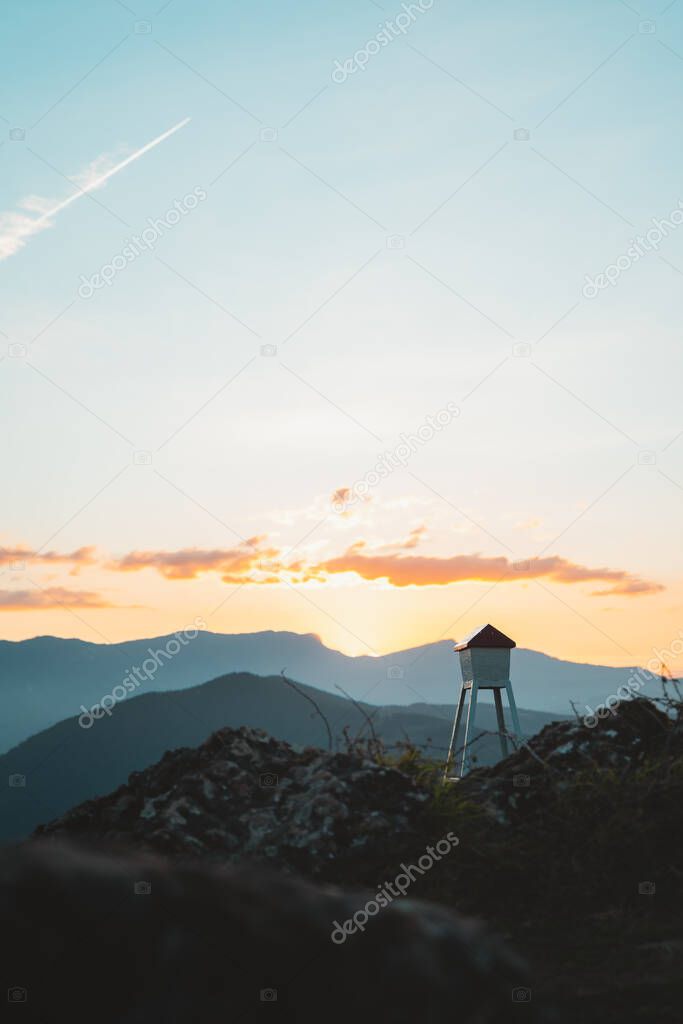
[(485, 636)]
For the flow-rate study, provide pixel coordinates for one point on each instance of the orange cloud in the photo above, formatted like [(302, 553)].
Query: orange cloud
[(235, 564), (630, 586), (51, 597), (21, 554), (423, 571), (253, 561), (340, 496)]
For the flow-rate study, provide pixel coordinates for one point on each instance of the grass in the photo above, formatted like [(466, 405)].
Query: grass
[(560, 876)]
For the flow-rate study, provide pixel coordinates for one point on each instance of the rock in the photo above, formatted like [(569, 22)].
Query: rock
[(140, 940), (242, 795), (522, 787)]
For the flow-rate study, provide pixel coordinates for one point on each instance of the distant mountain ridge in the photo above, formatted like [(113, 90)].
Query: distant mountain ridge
[(47, 679)]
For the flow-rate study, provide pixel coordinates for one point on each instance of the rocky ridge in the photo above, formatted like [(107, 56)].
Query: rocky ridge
[(244, 796), (520, 789)]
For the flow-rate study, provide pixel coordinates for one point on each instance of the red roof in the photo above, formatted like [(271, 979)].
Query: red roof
[(485, 636)]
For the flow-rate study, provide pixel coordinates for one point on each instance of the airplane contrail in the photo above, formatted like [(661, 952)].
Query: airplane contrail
[(114, 170), (16, 227)]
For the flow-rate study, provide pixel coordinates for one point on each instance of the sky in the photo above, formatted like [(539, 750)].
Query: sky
[(361, 320)]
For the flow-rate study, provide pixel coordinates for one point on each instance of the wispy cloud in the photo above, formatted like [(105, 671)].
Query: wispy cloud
[(36, 213), (20, 555), (234, 564), (50, 597)]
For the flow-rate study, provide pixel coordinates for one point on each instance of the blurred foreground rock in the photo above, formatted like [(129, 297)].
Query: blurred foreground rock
[(142, 940)]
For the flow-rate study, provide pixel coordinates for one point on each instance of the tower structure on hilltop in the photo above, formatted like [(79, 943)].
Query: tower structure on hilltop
[(485, 665)]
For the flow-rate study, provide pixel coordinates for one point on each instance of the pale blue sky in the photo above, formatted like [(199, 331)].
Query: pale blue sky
[(498, 235)]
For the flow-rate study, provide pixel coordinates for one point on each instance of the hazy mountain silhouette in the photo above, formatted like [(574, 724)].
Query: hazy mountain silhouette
[(66, 764), (46, 679)]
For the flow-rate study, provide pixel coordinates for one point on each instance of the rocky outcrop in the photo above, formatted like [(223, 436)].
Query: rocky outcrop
[(244, 796), (143, 940), (524, 785)]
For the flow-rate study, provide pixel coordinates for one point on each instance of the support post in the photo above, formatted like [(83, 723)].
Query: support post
[(498, 700), (454, 735), (469, 728), (513, 710)]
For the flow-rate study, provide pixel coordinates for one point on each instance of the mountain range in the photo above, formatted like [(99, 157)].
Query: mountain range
[(47, 679)]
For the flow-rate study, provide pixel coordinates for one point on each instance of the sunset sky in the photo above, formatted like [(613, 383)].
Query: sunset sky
[(394, 270)]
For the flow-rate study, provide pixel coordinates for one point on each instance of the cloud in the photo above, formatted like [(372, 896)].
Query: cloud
[(17, 557), (402, 570), (17, 226), (234, 564), (340, 497), (255, 562), (415, 536), (631, 586), (319, 508), (50, 597)]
